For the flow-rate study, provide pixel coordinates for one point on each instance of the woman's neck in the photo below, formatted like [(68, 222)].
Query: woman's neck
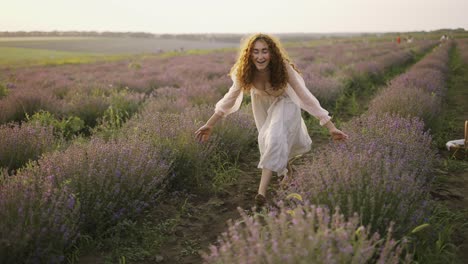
[(263, 75)]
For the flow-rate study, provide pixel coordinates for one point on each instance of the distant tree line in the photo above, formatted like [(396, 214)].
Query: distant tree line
[(224, 37), (227, 37), (75, 34)]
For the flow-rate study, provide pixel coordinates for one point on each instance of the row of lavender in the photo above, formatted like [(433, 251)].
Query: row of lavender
[(93, 88), (331, 72), (87, 92), (382, 173), (91, 186)]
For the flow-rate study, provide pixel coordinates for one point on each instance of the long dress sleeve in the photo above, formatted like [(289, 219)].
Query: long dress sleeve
[(300, 95), (231, 101)]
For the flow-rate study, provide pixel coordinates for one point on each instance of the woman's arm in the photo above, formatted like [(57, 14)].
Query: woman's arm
[(309, 103), (204, 132), (302, 96), (230, 103), (335, 133)]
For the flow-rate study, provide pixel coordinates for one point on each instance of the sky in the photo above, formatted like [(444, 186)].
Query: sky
[(236, 16)]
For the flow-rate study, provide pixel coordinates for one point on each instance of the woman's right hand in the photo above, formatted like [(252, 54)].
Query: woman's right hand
[(203, 133)]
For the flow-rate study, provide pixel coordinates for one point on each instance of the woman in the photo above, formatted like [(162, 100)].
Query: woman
[(278, 93)]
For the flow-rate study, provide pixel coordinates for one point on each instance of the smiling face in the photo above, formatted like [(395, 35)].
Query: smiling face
[(260, 55)]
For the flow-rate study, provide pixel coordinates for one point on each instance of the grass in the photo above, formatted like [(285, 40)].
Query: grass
[(22, 57), (33, 51), (450, 124), (129, 241), (26, 57), (143, 240), (448, 226), (224, 172)]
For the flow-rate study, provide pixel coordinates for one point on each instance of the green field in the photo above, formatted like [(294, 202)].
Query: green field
[(29, 51), (24, 56), (117, 45)]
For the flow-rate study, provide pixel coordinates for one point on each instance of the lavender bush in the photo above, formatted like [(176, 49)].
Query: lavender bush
[(407, 101), (306, 234), (419, 91), (382, 172), (358, 64), (20, 103), (39, 219), (113, 180), (175, 133), (21, 143)]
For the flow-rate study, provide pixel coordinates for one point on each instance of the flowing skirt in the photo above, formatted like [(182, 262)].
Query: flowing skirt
[(282, 133)]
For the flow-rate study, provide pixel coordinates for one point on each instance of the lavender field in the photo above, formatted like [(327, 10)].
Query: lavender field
[(102, 156)]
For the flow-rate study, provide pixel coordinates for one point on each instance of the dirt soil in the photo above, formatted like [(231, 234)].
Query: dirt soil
[(208, 214), (206, 218)]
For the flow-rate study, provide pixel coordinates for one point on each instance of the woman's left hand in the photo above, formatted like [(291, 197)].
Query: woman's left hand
[(203, 133), (337, 134)]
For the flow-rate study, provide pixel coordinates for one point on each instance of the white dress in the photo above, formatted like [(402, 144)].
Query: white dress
[(282, 133)]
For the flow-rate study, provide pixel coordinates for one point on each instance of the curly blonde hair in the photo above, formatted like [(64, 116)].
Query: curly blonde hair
[(244, 68)]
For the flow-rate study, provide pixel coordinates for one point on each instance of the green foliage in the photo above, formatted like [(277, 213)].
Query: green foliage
[(111, 122), (433, 241), (3, 175), (134, 65), (348, 104), (3, 90), (224, 172), (130, 240), (314, 128), (66, 127), (449, 125), (361, 88), (191, 247), (107, 108), (123, 100)]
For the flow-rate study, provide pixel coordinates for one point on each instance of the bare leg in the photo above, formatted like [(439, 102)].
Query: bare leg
[(286, 178), (264, 181)]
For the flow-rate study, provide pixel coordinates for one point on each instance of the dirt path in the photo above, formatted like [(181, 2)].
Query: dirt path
[(207, 216)]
